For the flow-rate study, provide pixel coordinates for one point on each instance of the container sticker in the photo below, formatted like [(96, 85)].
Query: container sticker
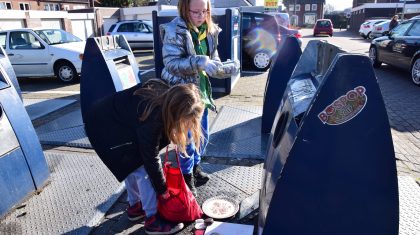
[(301, 94), (344, 108)]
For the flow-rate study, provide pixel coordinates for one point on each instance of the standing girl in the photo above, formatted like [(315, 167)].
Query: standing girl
[(190, 56)]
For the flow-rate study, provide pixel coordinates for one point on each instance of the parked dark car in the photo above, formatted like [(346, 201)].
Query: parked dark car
[(323, 26), (261, 35), (400, 48)]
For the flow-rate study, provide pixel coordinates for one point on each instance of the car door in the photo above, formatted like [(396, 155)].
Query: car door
[(407, 46), (143, 35), (387, 46), (127, 29), (3, 39), (28, 55), (246, 28)]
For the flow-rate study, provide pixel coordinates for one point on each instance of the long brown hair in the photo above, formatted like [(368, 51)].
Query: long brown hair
[(182, 110), (184, 10)]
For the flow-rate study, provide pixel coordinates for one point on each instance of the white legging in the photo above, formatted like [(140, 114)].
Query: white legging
[(139, 188)]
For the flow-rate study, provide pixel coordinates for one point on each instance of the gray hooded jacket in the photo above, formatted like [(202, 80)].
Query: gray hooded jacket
[(182, 64)]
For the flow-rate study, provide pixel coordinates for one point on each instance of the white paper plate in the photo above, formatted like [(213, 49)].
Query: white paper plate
[(220, 207)]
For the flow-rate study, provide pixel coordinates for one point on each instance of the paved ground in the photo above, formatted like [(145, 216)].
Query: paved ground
[(401, 99), (400, 95)]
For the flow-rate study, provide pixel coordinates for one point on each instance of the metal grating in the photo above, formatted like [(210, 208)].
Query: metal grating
[(230, 116), (81, 189), (37, 108), (236, 133), (71, 137), (409, 196), (69, 120)]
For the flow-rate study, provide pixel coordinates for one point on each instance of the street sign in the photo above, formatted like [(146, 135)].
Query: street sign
[(348, 15), (271, 4)]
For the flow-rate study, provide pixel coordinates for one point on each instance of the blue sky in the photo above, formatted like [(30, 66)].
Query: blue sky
[(340, 4)]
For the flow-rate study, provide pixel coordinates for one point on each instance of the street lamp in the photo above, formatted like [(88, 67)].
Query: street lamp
[(294, 16), (403, 10)]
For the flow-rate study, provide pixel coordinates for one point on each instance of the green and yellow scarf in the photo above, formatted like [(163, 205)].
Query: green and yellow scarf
[(199, 35)]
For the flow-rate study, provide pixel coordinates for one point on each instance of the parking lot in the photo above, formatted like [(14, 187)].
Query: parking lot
[(400, 95)]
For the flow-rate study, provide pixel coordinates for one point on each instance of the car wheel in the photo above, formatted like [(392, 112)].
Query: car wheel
[(262, 60), (66, 72), (415, 72), (368, 36), (373, 55)]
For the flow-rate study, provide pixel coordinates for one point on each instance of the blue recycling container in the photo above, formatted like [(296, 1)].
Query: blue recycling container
[(23, 168), (284, 62), (108, 66), (229, 42), (330, 167)]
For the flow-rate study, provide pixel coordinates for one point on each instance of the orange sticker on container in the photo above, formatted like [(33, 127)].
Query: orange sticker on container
[(345, 107)]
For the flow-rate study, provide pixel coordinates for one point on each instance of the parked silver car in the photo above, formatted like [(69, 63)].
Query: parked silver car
[(380, 29), (139, 33), (367, 26)]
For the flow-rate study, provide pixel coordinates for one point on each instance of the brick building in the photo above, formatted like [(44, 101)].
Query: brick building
[(304, 12), (46, 5)]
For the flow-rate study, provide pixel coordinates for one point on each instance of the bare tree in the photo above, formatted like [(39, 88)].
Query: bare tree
[(138, 3), (116, 3), (328, 8)]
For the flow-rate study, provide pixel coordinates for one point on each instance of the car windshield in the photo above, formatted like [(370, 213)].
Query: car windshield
[(323, 23), (401, 29), (56, 36)]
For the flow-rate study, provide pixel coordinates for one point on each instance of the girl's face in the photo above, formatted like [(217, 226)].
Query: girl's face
[(198, 12)]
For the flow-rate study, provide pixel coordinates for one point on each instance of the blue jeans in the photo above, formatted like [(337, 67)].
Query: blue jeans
[(194, 157), (140, 189)]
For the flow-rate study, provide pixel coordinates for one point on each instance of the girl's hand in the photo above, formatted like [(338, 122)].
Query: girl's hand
[(212, 67), (164, 196)]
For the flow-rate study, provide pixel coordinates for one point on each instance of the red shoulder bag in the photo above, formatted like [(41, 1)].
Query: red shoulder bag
[(181, 206)]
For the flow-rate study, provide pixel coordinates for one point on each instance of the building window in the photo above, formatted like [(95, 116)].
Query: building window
[(51, 7), (307, 7), (24, 6), (314, 7), (297, 7), (291, 8), (5, 6)]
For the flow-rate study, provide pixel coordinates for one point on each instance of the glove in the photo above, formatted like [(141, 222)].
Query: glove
[(229, 69), (212, 67)]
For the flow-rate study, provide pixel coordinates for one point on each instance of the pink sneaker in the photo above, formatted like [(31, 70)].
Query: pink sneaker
[(135, 212)]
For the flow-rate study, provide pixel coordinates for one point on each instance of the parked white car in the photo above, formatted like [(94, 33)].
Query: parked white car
[(380, 29), (367, 27), (44, 53), (139, 33)]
